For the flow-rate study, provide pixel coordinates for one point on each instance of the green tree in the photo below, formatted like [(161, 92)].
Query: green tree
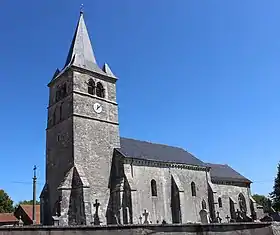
[(6, 203), (30, 202), (26, 202), (275, 194), (263, 201)]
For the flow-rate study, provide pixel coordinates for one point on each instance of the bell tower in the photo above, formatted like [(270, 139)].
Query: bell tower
[(81, 135)]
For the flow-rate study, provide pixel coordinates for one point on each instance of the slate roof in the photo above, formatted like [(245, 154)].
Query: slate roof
[(225, 173), (81, 52), (157, 152)]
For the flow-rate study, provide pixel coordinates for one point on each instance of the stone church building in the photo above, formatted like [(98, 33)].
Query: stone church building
[(94, 176)]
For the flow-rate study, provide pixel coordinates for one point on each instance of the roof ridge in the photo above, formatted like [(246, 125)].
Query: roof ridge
[(217, 164), (145, 141)]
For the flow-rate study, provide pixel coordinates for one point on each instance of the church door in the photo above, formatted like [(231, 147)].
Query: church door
[(175, 203), (232, 209)]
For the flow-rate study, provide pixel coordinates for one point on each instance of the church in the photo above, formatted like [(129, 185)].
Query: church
[(96, 177)]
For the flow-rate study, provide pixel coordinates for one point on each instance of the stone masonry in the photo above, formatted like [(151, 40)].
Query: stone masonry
[(95, 177)]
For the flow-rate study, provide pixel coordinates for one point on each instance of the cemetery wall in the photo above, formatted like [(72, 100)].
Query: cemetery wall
[(186, 229)]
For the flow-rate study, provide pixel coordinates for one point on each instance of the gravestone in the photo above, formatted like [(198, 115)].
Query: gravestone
[(246, 218), (266, 218), (204, 218), (140, 219), (228, 218), (96, 220), (146, 214), (275, 216), (239, 217), (20, 222), (55, 220), (218, 218)]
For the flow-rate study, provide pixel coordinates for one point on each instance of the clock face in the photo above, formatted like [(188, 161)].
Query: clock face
[(97, 108)]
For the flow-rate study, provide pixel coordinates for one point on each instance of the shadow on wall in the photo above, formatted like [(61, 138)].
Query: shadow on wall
[(119, 208), (76, 212)]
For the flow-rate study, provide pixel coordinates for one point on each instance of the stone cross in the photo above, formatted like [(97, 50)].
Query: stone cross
[(228, 218), (96, 205), (146, 214), (140, 218), (96, 220)]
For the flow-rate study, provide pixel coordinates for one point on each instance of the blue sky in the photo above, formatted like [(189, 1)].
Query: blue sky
[(202, 75)]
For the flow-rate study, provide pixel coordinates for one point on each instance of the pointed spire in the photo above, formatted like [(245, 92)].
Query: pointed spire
[(81, 52), (108, 71)]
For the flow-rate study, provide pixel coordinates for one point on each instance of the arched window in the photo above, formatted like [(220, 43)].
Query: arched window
[(100, 92), (242, 203), (220, 202), (91, 87), (193, 189), (154, 188), (203, 205)]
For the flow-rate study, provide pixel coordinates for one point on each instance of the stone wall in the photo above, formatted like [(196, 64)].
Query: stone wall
[(95, 135), (187, 229), (225, 192), (159, 206)]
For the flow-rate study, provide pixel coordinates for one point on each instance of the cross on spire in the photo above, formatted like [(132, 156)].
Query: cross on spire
[(82, 8), (81, 53)]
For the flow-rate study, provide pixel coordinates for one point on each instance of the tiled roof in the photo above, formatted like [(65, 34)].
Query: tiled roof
[(226, 173), (157, 152), (28, 211), (7, 217)]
